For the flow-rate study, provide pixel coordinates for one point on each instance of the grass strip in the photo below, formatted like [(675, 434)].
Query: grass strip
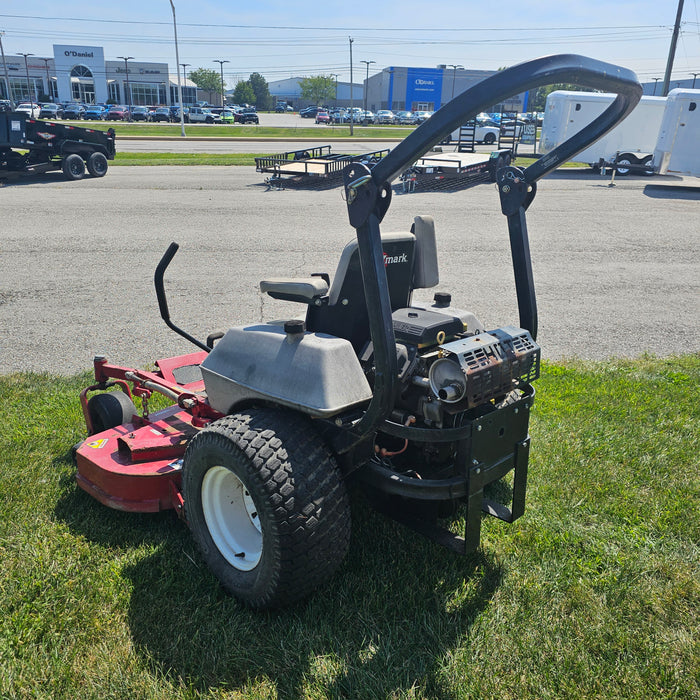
[(594, 593), (339, 131), (132, 158)]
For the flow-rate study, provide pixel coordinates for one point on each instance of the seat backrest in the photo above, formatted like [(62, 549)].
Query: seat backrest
[(425, 267), (345, 315), (410, 261)]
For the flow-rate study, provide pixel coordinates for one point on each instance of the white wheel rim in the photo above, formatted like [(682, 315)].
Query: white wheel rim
[(232, 518)]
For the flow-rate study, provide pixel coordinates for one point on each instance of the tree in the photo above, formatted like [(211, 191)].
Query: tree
[(207, 79), (318, 89), (538, 99), (263, 99), (243, 94)]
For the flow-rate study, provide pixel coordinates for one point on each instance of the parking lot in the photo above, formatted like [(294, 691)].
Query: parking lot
[(616, 269)]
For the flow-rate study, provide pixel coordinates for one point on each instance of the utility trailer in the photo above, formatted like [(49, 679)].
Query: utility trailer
[(677, 150), (31, 146), (449, 171), (311, 166), (628, 148)]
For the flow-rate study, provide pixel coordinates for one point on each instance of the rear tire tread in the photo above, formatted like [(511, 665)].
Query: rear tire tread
[(308, 503)]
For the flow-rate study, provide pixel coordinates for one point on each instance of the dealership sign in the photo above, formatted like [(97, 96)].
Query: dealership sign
[(423, 85)]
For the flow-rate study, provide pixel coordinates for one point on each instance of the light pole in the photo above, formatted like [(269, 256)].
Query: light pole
[(179, 84), (335, 75), (48, 82), (221, 66), (694, 76), (126, 68), (352, 106), (182, 107), (366, 81), (7, 77), (26, 68), (454, 75), (656, 80)]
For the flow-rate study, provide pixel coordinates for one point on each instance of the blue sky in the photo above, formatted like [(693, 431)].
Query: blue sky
[(283, 38)]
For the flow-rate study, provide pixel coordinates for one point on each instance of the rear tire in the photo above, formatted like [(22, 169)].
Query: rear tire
[(489, 139), (266, 506), (73, 167), (97, 164)]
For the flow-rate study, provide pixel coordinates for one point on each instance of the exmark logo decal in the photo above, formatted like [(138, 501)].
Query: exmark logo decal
[(392, 259)]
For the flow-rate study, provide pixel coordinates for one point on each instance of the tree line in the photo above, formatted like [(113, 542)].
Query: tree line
[(253, 91), (317, 90)]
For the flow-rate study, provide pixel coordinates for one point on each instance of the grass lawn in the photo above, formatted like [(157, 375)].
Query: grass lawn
[(334, 131), (594, 593)]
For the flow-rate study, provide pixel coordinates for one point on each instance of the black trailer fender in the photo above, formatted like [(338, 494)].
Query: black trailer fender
[(83, 149)]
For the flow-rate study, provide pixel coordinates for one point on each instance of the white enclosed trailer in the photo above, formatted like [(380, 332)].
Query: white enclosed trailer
[(677, 149), (631, 142)]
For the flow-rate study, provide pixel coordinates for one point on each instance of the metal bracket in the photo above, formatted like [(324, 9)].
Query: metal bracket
[(363, 196), (514, 190)]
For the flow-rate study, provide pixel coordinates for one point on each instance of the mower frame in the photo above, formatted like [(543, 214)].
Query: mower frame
[(350, 434)]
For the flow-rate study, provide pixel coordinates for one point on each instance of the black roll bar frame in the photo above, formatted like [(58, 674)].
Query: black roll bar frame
[(368, 196)]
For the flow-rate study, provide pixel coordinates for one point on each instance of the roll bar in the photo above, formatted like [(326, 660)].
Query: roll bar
[(368, 195)]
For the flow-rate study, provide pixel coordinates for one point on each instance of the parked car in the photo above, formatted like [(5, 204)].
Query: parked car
[(51, 110), (5, 106), (404, 117), (175, 114), (30, 108), (247, 116), (161, 114), (482, 134), (95, 112), (73, 111), (384, 116), (323, 117), (140, 114), (203, 115), (420, 116), (118, 113), (309, 112), (228, 116)]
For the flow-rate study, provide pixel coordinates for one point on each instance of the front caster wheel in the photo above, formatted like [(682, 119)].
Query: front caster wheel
[(266, 505)]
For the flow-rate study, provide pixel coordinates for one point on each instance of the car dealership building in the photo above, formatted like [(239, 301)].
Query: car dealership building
[(427, 89), (81, 74), (402, 88)]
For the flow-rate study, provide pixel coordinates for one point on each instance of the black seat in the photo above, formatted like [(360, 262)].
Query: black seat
[(410, 261)]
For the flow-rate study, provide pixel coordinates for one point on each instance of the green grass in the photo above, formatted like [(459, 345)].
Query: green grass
[(132, 158), (594, 593), (338, 131)]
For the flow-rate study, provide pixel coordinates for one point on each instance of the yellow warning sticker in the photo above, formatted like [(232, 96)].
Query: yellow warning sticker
[(97, 444)]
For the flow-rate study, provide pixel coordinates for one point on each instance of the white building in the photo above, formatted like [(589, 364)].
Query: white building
[(81, 74), (289, 91)]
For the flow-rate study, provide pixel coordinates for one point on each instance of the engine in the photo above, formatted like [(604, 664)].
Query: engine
[(449, 366)]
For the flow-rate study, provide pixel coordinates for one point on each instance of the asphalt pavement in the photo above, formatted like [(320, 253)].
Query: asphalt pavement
[(616, 269)]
